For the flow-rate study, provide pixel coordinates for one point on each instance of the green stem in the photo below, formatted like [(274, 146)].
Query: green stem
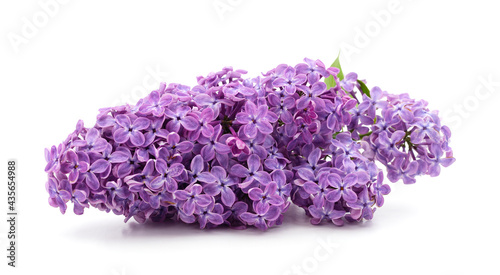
[(364, 135)]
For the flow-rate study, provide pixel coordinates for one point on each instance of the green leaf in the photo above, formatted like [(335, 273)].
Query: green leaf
[(329, 81), (336, 64), (364, 89)]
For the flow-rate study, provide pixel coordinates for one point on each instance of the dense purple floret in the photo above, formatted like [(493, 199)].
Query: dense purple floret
[(239, 151)]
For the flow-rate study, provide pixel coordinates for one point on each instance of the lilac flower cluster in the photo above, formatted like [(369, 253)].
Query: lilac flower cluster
[(239, 151)]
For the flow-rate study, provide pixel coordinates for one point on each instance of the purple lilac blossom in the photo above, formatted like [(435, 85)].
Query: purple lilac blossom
[(235, 151)]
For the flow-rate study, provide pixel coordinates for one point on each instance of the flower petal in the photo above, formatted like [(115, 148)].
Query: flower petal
[(175, 169), (227, 196), (203, 200), (349, 195), (264, 127), (197, 164), (311, 188), (250, 130), (253, 163), (212, 189), (121, 135), (92, 181), (206, 177), (99, 166), (137, 138), (239, 171), (141, 123), (123, 121), (255, 194), (189, 123), (333, 196)]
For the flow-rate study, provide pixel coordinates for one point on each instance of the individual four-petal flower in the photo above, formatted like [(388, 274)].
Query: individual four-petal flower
[(129, 130), (192, 197), (342, 187)]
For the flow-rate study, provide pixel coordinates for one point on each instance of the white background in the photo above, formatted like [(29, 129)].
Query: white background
[(92, 54)]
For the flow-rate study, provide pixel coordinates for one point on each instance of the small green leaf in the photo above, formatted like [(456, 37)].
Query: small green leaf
[(364, 89), (329, 81), (336, 64)]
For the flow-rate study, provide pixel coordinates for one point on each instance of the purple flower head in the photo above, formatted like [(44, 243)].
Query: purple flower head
[(255, 145), (400, 168), (423, 129), (116, 191), (221, 186), (289, 80), (174, 144), (342, 187), (90, 176), (380, 189), (212, 101), (110, 157), (73, 166), (237, 145), (253, 172), (362, 207), (57, 198), (129, 130), (192, 197), (232, 215), (255, 119), (92, 142), (391, 145), (386, 122), (210, 214), (359, 121), (337, 113), (158, 199), (156, 102), (197, 174), (166, 176), (267, 196), (373, 102), (345, 148), (179, 116), (239, 150), (53, 157), (327, 212), (282, 107), (262, 216), (317, 186), (313, 69), (283, 188), (204, 126), (128, 166), (77, 196), (402, 110), (274, 74), (313, 161), (143, 178), (436, 159), (350, 82), (212, 145), (301, 131), (312, 95), (155, 130), (237, 92)]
